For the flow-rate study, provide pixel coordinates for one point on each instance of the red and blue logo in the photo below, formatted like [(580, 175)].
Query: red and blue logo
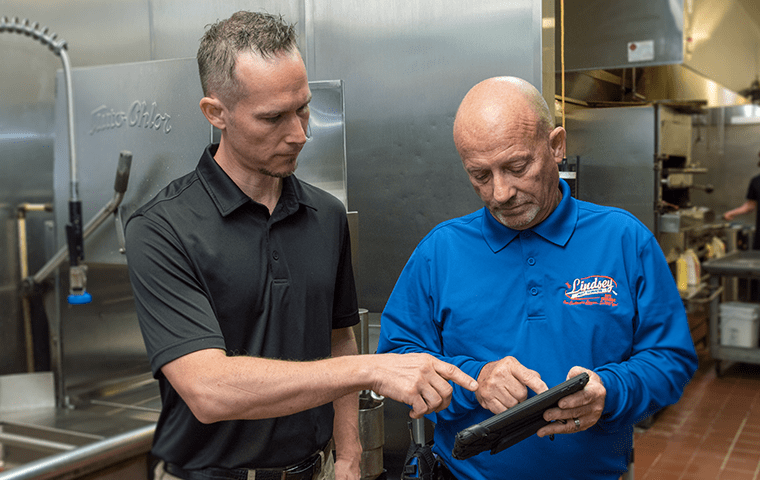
[(592, 290)]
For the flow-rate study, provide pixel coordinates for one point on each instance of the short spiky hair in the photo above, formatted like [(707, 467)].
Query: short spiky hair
[(261, 33)]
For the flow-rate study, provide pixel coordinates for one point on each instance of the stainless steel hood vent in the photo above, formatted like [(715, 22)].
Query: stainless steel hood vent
[(659, 49)]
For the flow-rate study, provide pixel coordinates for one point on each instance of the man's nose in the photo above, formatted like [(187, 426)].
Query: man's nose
[(503, 188), (297, 129)]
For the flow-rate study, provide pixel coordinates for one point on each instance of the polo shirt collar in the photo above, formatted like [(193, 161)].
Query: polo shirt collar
[(228, 197), (557, 228)]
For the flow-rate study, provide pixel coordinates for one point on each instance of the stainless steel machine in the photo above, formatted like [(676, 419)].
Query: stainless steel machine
[(638, 158)]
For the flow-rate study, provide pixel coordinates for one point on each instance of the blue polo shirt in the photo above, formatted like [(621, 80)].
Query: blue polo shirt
[(588, 286)]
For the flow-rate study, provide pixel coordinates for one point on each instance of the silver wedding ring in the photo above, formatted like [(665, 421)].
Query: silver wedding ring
[(577, 423)]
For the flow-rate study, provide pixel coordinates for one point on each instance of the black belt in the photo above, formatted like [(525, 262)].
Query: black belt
[(307, 470)]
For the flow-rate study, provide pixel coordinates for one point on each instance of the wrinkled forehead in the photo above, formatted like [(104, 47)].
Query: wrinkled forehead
[(493, 129)]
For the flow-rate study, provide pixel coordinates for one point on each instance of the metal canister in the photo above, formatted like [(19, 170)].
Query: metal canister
[(371, 415), (371, 434)]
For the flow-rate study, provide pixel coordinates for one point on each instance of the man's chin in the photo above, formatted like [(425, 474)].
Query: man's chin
[(284, 173), (515, 222)]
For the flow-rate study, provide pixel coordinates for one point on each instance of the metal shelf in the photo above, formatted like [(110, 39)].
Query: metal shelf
[(744, 264)]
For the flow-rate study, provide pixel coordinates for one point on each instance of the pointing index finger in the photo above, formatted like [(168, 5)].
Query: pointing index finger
[(451, 372), (531, 379)]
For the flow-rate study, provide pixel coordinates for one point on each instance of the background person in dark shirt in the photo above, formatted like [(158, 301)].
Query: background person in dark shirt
[(244, 287), (753, 196)]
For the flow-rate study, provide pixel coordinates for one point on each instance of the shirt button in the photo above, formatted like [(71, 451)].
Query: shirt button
[(531, 261), (526, 233), (275, 255), (534, 291)]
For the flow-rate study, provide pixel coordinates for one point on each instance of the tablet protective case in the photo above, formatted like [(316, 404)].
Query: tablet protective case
[(505, 429)]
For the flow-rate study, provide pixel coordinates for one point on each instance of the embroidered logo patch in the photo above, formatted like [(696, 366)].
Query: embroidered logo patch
[(593, 290)]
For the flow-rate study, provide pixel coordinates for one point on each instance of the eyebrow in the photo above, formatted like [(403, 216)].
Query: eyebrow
[(274, 113)]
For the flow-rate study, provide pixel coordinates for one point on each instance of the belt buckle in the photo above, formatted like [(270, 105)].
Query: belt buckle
[(306, 472)]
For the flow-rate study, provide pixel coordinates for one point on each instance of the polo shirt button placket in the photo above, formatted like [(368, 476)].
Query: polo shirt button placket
[(275, 255)]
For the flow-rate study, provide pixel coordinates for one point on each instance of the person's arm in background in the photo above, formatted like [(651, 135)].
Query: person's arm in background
[(746, 207)]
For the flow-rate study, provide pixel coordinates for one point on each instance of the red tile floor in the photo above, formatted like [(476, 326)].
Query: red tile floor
[(713, 432)]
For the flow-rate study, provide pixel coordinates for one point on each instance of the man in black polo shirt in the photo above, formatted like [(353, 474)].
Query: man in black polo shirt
[(244, 287)]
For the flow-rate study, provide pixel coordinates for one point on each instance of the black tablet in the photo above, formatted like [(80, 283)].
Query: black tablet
[(514, 425)]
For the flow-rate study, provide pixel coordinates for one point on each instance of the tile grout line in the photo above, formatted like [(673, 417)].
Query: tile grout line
[(733, 443)]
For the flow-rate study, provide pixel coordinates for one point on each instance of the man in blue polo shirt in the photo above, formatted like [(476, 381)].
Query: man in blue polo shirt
[(533, 289)]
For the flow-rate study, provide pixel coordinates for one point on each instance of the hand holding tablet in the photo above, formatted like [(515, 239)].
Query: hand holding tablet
[(514, 425)]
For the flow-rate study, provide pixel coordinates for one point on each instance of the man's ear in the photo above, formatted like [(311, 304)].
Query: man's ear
[(557, 143), (214, 111)]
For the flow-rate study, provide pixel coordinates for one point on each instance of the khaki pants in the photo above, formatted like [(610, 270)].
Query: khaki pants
[(327, 472)]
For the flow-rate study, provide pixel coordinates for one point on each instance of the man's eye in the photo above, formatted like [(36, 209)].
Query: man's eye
[(272, 119), (519, 167)]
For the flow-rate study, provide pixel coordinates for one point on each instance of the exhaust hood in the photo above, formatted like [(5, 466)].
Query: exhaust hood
[(684, 50)]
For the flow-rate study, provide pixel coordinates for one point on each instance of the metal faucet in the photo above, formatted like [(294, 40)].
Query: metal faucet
[(78, 272)]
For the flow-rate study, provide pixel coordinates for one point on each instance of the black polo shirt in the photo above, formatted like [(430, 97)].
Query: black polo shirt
[(753, 193), (210, 268)]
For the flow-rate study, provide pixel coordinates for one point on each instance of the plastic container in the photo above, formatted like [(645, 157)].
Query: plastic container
[(693, 268), (739, 324), (682, 273)]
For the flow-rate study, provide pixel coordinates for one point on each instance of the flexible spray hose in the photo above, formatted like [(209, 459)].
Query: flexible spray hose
[(74, 228), (58, 46)]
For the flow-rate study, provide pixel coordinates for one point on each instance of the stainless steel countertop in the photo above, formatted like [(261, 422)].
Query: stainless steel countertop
[(742, 263), (46, 443)]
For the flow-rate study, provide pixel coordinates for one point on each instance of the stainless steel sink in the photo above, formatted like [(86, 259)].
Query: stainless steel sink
[(22, 443), (29, 452), (96, 433)]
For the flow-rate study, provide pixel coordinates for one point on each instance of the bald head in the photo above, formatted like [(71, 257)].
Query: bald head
[(494, 105), (510, 150)]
